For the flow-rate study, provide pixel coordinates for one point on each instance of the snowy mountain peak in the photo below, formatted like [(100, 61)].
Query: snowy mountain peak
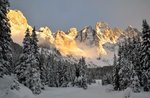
[(89, 42)]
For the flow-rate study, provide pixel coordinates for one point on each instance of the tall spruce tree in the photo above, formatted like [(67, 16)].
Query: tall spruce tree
[(115, 74), (136, 57), (135, 83), (71, 73), (120, 56), (35, 82), (51, 66), (145, 55), (125, 75), (65, 71), (24, 61), (43, 68), (5, 40), (81, 73), (34, 44), (27, 69), (124, 65)]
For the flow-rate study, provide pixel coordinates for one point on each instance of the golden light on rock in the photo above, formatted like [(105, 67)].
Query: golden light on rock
[(18, 24), (104, 35), (64, 42)]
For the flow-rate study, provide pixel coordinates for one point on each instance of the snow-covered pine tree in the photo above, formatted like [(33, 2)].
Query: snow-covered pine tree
[(128, 61), (52, 68), (35, 82), (5, 40), (125, 65), (125, 75), (43, 68), (90, 78), (59, 75), (27, 69), (119, 66), (35, 51), (115, 74), (107, 79), (135, 83), (130, 47), (60, 72), (23, 63), (120, 56), (34, 45), (71, 73), (145, 55), (65, 71), (136, 57), (81, 70)]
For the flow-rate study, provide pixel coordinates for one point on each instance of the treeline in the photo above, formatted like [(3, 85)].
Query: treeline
[(132, 64), (100, 72)]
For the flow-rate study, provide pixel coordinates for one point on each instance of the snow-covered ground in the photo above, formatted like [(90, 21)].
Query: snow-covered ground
[(93, 91), (5, 92)]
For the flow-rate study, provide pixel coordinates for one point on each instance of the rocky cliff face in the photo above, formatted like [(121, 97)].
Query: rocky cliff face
[(87, 42), (99, 36), (19, 25), (131, 32), (87, 36)]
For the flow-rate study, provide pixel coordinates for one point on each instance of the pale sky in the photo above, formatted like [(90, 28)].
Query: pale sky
[(63, 14)]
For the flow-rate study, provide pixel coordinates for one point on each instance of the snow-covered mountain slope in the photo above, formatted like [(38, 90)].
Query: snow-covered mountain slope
[(97, 44)]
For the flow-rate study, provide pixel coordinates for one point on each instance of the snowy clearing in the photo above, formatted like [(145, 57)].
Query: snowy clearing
[(94, 91)]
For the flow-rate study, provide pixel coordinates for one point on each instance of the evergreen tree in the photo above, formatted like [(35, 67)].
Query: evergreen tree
[(120, 63), (58, 75), (135, 83), (107, 79), (125, 74), (81, 71), (27, 69), (83, 66), (35, 50), (136, 57), (51, 71), (61, 74), (5, 40), (34, 81), (34, 44), (24, 61), (120, 56), (145, 55), (72, 73), (124, 65), (65, 71), (115, 74), (43, 68)]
